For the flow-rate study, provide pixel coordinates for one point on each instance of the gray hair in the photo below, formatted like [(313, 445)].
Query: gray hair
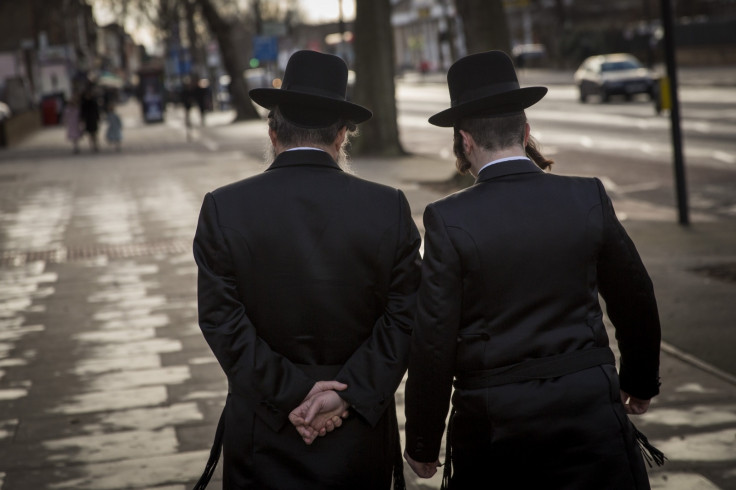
[(290, 134)]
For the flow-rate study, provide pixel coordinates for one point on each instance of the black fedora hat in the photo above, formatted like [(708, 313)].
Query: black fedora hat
[(312, 93), (485, 84)]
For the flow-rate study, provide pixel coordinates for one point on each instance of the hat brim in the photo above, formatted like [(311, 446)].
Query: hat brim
[(497, 104), (272, 97)]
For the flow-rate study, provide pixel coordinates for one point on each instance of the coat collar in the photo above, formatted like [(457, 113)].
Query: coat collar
[(510, 167), (312, 158)]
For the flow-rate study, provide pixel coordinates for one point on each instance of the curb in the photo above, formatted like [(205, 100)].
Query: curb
[(697, 363)]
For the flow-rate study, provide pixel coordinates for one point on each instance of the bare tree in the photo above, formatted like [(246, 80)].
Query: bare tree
[(374, 84), (484, 25), (234, 62)]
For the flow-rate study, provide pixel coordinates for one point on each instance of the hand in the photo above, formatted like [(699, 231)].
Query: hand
[(318, 415), (324, 386), (325, 411), (321, 411), (633, 405), (423, 470)]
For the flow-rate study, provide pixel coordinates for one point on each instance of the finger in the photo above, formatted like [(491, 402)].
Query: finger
[(638, 408), (305, 432), (629, 409), (301, 409), (312, 411), (330, 385), (296, 419), (307, 435), (337, 386)]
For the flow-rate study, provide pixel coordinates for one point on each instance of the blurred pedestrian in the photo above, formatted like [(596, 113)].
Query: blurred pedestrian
[(114, 133), (508, 310), (90, 113), (188, 99), (72, 122), (306, 289), (201, 93)]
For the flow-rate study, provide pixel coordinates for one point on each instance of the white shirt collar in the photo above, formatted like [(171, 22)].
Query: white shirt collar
[(501, 160), (305, 148)]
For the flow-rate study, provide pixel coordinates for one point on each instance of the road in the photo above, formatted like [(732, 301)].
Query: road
[(631, 131)]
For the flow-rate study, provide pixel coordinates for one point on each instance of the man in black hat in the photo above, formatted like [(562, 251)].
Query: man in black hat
[(306, 287), (508, 312)]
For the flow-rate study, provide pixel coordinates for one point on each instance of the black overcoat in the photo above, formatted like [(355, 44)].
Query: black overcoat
[(307, 273), (512, 271)]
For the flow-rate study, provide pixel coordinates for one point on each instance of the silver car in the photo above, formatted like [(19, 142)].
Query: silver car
[(614, 74)]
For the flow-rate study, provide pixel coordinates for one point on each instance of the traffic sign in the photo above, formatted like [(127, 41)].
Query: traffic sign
[(265, 48)]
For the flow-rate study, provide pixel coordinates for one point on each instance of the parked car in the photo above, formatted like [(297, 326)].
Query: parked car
[(614, 74)]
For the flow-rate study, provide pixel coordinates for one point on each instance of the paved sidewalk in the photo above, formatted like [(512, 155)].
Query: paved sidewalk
[(105, 379)]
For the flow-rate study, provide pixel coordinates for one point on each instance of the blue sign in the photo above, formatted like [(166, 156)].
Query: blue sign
[(265, 48)]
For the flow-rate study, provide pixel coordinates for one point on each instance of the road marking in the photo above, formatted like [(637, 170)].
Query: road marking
[(644, 186), (724, 157), (700, 126)]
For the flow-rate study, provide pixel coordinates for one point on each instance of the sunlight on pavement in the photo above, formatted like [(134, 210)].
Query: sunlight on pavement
[(681, 481), (709, 446), (697, 416)]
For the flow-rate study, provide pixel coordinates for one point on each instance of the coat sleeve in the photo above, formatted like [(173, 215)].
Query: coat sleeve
[(375, 370), (434, 341), (273, 383), (628, 292)]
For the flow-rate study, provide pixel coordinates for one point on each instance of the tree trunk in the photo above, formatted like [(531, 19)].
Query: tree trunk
[(484, 25), (234, 63), (195, 45), (374, 86)]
